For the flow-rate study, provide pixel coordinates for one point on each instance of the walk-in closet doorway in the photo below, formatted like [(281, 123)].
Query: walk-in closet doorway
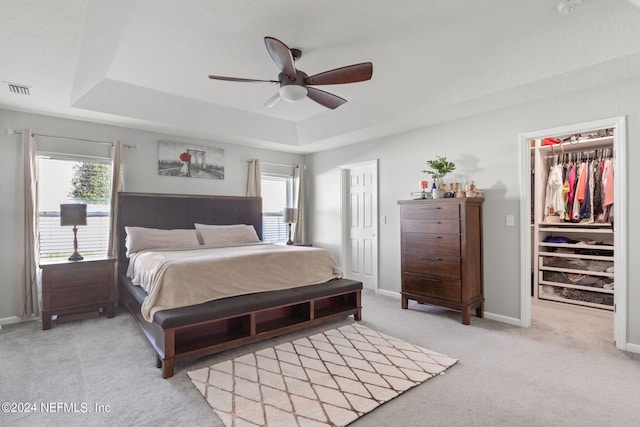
[(545, 256)]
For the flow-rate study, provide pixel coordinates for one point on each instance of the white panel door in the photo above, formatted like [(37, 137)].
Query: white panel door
[(363, 214)]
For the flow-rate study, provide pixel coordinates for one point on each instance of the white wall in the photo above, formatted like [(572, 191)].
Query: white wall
[(484, 149), (140, 171)]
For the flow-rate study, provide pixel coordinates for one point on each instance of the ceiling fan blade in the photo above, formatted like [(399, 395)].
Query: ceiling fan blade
[(325, 99), (238, 79), (272, 101), (282, 56), (349, 74)]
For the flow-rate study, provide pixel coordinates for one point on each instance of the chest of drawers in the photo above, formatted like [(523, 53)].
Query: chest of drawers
[(441, 243)]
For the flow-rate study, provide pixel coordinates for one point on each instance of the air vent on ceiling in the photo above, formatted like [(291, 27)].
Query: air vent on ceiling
[(18, 88)]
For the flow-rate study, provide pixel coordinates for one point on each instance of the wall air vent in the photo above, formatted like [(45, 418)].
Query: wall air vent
[(18, 88)]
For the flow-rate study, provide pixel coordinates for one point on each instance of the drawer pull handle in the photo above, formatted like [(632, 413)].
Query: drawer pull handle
[(424, 279), (430, 259)]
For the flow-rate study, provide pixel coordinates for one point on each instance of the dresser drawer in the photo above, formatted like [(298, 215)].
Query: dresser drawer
[(431, 244), (450, 290), (432, 211), (440, 226), (78, 296), (447, 267), (80, 274)]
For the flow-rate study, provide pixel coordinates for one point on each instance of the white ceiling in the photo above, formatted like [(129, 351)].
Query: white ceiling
[(145, 63)]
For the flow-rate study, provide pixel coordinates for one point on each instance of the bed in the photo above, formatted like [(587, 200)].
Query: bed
[(190, 332)]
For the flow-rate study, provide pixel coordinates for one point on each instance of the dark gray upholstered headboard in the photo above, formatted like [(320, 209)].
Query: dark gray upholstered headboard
[(168, 211)]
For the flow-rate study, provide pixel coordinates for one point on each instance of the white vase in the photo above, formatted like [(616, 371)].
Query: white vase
[(437, 193)]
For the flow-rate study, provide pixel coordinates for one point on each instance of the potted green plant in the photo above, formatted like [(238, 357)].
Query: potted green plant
[(438, 169)]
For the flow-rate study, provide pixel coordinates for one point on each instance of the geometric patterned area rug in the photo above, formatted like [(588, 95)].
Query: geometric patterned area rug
[(328, 379)]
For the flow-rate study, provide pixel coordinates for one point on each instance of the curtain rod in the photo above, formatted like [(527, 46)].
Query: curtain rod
[(275, 164), (19, 132)]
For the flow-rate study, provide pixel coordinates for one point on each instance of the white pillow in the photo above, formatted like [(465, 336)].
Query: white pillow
[(141, 238), (228, 235), (218, 227)]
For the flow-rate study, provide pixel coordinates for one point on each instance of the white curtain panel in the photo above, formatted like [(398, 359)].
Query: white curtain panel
[(28, 295), (300, 235), (253, 180), (116, 187)]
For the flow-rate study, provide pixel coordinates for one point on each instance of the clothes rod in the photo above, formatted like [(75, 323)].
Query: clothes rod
[(19, 132)]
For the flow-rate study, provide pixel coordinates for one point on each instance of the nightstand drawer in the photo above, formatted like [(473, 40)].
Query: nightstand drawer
[(431, 244), (447, 267), (78, 296), (433, 287), (79, 274), (442, 226)]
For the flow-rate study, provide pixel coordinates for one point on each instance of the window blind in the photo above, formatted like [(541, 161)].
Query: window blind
[(73, 180), (277, 194)]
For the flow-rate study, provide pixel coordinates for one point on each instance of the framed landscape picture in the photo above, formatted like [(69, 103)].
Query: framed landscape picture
[(190, 160)]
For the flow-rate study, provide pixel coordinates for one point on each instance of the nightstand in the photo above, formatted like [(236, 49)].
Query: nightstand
[(77, 289)]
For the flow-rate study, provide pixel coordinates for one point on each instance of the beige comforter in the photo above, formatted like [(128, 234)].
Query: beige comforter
[(182, 277)]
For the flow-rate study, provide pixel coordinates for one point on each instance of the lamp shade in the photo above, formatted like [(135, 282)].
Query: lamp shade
[(290, 215), (73, 214)]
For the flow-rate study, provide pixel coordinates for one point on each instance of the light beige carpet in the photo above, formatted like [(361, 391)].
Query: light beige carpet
[(327, 379)]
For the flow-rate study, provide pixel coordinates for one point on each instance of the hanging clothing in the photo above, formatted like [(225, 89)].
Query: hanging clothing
[(608, 182), (565, 190), (579, 191), (572, 191), (597, 189), (582, 183), (554, 202), (575, 209), (585, 203)]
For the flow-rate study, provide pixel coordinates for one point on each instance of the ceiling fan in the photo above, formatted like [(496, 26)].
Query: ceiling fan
[(296, 84)]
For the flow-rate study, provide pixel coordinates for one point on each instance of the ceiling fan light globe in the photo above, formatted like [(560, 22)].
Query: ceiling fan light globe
[(293, 93)]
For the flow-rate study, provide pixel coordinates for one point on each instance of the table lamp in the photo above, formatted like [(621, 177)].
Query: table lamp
[(290, 217), (74, 214)]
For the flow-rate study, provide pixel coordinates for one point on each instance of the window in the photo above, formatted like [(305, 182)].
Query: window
[(73, 180), (277, 194)]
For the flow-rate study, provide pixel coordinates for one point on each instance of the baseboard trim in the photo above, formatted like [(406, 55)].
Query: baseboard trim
[(388, 293), (633, 348), (15, 319), (503, 319)]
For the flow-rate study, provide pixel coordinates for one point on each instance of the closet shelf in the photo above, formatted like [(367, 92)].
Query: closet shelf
[(579, 287), (577, 230), (578, 225), (578, 256), (576, 246), (576, 271), (577, 302), (584, 145)]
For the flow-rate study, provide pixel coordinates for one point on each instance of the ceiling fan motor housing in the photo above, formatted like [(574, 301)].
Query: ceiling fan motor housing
[(293, 90)]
